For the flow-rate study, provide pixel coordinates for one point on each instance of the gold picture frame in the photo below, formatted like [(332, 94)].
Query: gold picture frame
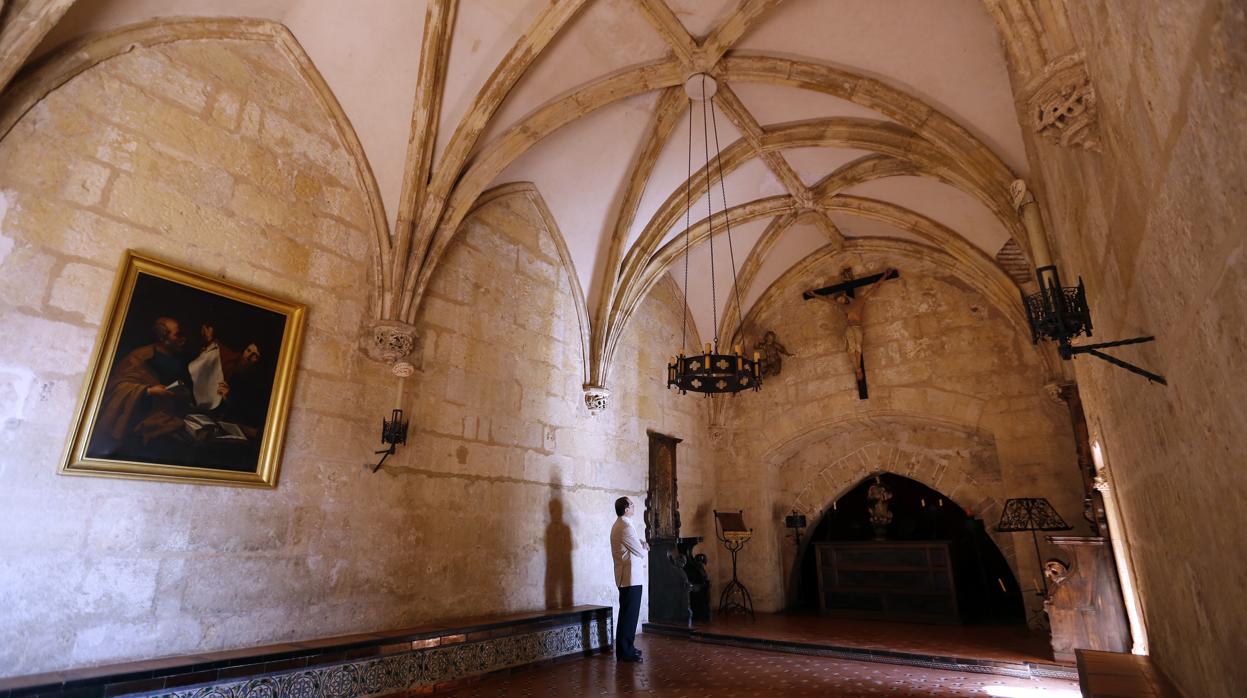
[(149, 408)]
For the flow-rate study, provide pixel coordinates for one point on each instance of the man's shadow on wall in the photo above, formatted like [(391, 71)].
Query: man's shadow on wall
[(559, 578)]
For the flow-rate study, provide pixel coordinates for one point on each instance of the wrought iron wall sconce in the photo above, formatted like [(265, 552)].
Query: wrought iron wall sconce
[(394, 429), (393, 433), (1060, 314)]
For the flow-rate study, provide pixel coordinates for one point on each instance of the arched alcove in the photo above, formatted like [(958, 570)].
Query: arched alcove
[(987, 590)]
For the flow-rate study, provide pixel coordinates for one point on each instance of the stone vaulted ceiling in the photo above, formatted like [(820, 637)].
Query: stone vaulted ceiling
[(837, 119)]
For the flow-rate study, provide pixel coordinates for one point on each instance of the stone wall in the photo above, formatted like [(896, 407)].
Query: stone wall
[(516, 482), (218, 155), (1154, 224), (957, 401)]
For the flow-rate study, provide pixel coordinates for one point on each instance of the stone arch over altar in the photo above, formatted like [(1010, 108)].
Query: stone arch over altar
[(817, 468)]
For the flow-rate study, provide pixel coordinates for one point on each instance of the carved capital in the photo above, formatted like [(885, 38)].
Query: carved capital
[(388, 341), (596, 398), (1061, 102)]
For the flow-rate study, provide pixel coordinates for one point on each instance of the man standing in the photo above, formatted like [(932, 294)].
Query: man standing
[(628, 550)]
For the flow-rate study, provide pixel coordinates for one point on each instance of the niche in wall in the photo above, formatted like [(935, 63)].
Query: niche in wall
[(921, 513)]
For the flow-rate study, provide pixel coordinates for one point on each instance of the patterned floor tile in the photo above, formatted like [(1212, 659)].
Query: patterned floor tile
[(679, 668)]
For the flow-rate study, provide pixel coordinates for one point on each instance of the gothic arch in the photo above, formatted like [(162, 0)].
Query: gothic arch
[(981, 275), (79, 57), (529, 192), (968, 484), (958, 145)]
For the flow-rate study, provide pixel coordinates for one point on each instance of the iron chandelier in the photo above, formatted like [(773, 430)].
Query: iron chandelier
[(710, 371)]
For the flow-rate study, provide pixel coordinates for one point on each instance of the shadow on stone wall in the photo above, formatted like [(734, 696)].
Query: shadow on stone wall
[(560, 580)]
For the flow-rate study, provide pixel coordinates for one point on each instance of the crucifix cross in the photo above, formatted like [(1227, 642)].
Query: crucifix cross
[(849, 297)]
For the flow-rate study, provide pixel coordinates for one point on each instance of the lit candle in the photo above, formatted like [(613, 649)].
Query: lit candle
[(833, 506), (923, 502), (941, 502)]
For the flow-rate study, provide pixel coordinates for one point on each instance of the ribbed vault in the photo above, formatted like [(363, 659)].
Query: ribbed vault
[(445, 175)]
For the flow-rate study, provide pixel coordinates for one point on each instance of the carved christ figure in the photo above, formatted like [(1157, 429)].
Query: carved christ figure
[(854, 307)]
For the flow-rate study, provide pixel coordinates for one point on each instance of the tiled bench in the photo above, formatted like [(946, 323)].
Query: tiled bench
[(1116, 674), (423, 659)]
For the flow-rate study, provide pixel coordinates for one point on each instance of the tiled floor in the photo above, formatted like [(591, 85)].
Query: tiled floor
[(996, 642), (678, 668)]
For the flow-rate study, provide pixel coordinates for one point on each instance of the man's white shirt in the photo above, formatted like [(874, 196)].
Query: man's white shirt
[(628, 552)]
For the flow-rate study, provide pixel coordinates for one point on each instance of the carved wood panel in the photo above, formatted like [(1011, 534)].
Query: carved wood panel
[(662, 508)]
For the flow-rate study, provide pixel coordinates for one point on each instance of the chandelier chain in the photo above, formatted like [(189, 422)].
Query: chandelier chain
[(709, 372), (705, 137), (688, 208), (727, 220)]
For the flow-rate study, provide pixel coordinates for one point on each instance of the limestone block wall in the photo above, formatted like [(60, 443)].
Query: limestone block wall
[(957, 401), (217, 154), (516, 480), (1154, 224)]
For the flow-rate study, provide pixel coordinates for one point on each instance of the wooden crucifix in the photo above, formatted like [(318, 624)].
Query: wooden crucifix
[(845, 298)]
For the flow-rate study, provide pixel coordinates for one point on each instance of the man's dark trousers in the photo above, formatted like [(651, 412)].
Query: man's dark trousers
[(629, 611)]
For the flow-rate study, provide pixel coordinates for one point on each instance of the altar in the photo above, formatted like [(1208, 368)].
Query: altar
[(887, 580)]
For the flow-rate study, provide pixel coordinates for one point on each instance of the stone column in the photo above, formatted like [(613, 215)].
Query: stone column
[(1121, 556)]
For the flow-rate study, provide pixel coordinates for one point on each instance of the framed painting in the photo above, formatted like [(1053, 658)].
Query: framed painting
[(190, 381)]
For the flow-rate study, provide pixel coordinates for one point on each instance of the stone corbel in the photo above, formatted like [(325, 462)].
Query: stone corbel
[(388, 341), (1060, 392), (1101, 484), (1061, 102), (596, 398)]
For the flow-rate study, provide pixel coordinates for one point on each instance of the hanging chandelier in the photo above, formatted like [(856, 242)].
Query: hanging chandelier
[(710, 371)]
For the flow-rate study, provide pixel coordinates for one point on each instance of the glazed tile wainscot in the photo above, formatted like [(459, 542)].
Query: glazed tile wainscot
[(425, 659)]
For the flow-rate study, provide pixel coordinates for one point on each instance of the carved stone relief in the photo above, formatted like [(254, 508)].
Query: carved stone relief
[(1062, 104), (596, 398), (389, 340)]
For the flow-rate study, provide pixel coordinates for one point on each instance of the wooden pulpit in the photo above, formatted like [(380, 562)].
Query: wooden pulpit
[(1085, 605)]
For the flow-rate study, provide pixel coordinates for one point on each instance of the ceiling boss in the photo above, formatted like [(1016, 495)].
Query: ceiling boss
[(710, 371)]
